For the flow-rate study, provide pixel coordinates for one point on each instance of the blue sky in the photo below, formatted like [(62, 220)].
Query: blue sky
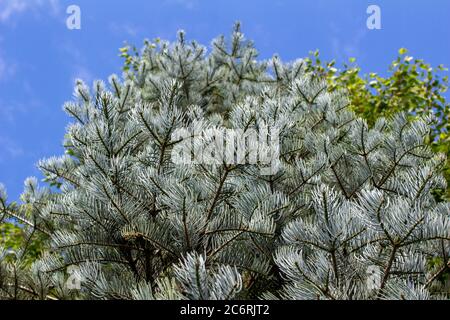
[(40, 58)]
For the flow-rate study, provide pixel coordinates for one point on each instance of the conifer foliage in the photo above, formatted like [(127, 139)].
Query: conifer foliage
[(347, 213)]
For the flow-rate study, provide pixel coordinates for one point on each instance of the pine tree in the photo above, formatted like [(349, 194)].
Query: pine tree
[(344, 212)]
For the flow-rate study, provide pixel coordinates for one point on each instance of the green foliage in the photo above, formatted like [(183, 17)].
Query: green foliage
[(10, 236), (411, 85), (15, 238)]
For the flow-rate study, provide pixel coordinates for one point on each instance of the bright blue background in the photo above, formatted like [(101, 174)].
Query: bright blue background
[(40, 58)]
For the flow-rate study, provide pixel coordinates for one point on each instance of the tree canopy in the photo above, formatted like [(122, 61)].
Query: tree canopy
[(348, 209)]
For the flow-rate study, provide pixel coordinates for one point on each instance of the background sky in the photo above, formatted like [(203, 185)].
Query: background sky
[(40, 58)]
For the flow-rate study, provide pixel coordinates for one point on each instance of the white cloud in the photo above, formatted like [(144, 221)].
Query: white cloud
[(11, 111), (128, 30), (10, 8), (82, 73), (10, 149), (345, 45), (76, 61), (188, 4), (7, 69), (6, 113)]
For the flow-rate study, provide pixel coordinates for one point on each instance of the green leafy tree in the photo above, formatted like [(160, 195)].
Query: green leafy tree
[(10, 236), (13, 236), (411, 85)]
